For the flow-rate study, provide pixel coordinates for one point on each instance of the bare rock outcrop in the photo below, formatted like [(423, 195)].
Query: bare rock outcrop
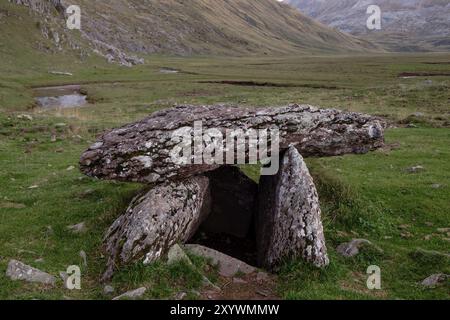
[(155, 221), (289, 223), (141, 151), (41, 6)]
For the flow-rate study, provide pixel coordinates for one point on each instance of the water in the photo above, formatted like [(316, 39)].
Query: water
[(60, 97), (168, 70)]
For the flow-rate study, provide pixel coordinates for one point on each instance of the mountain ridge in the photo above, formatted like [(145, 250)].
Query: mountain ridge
[(121, 29), (407, 25)]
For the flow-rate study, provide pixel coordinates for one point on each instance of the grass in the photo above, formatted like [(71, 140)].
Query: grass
[(370, 196)]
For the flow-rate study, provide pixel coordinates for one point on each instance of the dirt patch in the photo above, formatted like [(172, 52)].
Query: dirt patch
[(357, 284), (438, 63), (423, 74), (247, 287), (271, 84)]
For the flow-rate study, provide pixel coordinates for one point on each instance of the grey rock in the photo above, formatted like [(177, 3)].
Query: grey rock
[(19, 271), (431, 254), (239, 280), (140, 152), (132, 295), (107, 290), (64, 276), (262, 276), (415, 169), (61, 73), (83, 256), (288, 223), (351, 249), (180, 296), (435, 280), (228, 266), (177, 254), (156, 220), (49, 230), (25, 117), (78, 228), (263, 293), (12, 205)]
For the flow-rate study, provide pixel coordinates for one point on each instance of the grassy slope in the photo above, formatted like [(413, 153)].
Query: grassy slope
[(368, 196), (233, 27)]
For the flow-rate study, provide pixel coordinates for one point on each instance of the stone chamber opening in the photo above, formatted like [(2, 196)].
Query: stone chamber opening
[(230, 227)]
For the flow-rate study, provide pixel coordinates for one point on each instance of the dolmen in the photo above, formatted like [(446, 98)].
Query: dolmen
[(186, 156)]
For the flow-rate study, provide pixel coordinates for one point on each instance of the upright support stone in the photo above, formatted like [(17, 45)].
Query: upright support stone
[(289, 223), (155, 221)]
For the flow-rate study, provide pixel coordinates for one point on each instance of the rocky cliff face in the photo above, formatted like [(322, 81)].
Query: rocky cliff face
[(406, 24), (41, 6)]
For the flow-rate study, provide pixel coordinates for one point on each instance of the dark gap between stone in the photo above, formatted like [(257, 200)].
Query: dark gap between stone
[(230, 227)]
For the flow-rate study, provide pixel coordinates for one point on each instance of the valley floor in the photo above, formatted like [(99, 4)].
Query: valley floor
[(370, 196)]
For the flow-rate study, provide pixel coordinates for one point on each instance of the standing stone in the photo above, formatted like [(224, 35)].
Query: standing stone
[(289, 223), (234, 202), (155, 221)]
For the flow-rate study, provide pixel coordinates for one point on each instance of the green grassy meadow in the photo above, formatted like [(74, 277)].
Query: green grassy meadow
[(368, 196)]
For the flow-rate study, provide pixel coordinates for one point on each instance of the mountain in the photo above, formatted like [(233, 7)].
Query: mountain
[(407, 25), (120, 29)]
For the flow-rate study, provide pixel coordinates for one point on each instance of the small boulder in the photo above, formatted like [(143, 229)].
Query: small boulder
[(180, 296), (228, 266), (239, 280), (435, 280), (64, 276), (177, 254), (83, 256), (19, 271), (415, 169), (25, 117), (132, 295), (351, 249), (262, 276), (12, 205), (78, 228), (107, 290)]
